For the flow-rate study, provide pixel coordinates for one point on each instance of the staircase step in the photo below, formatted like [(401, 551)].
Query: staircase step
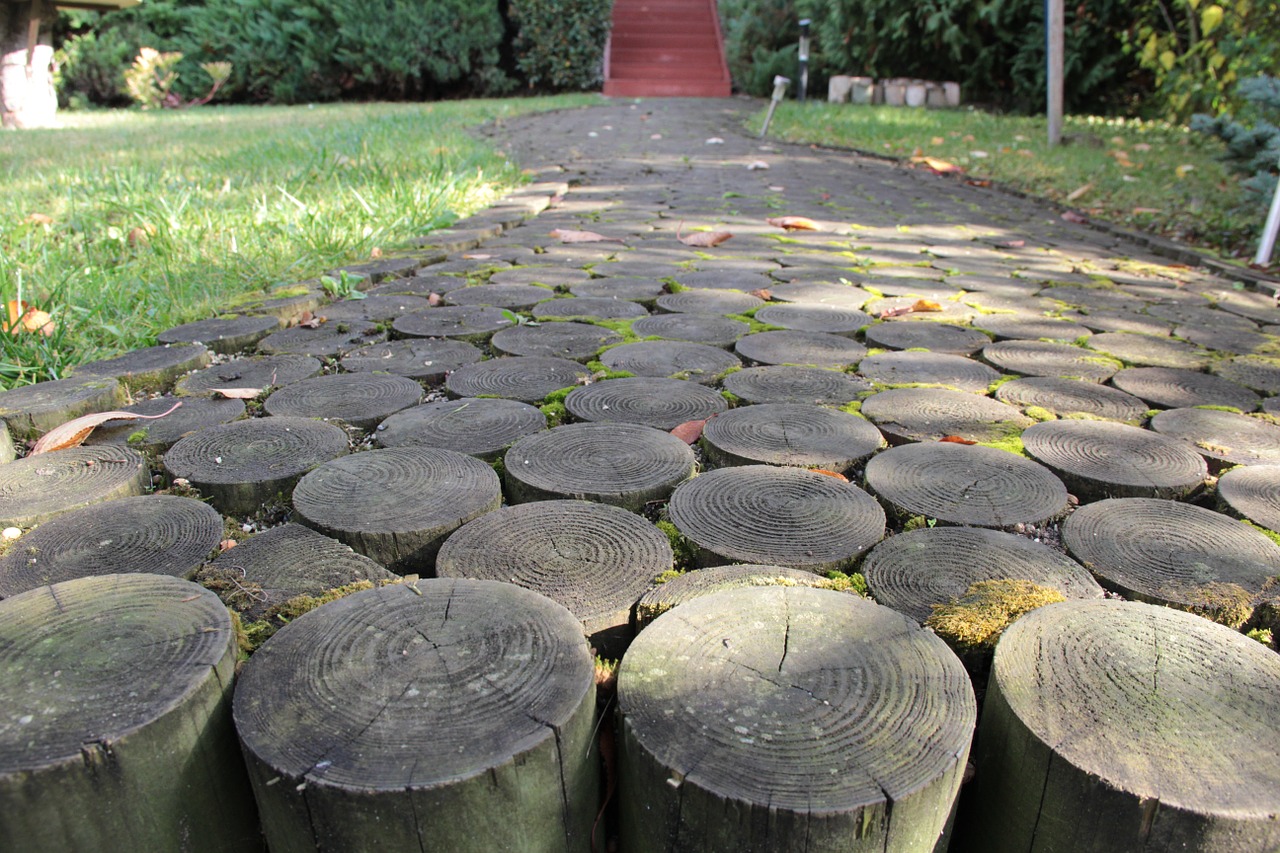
[(665, 89)]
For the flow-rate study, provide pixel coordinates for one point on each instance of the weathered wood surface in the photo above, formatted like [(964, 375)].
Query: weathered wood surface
[(587, 308), (1186, 760), (1173, 388), (1261, 373), (789, 719), (224, 335), (477, 427), (32, 410), (626, 465), (936, 337), (674, 359), (1172, 553), (693, 584), (651, 401), (776, 516), (1029, 327), (117, 731), (813, 349), (515, 297), (929, 414), (802, 317), (1222, 438), (966, 484), (36, 489), (242, 465), (157, 436), (358, 399), (287, 561), (633, 289), (525, 378), (150, 369), (397, 505), (577, 341), (153, 534), (1101, 459), (928, 368), (377, 308), (1148, 351), (915, 570), (425, 360), (1045, 358), (472, 323), (695, 328), (790, 434), (1066, 397), (593, 558), (712, 302), (329, 340), (444, 716), (784, 383), (251, 372), (1252, 492)]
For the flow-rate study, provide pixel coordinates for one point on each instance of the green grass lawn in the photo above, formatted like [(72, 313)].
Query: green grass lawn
[(123, 224), (1151, 176)]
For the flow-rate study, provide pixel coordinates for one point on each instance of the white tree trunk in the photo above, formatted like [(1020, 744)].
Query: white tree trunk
[(27, 96)]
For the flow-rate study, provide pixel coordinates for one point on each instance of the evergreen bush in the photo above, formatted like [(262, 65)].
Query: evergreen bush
[(561, 45), (1252, 145)]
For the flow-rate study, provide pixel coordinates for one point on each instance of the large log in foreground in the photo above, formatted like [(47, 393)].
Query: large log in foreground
[(447, 715), (1116, 726), (116, 732), (788, 719)]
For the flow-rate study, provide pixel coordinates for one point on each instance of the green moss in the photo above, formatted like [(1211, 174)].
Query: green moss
[(668, 575), (622, 327), (918, 522), (874, 291), (1080, 416), (1225, 603), (683, 551), (755, 325), (1039, 413), (293, 290), (875, 351), (1151, 413), (499, 467), (853, 408), (600, 371), (558, 395), (1082, 340), (137, 436), (917, 349), (842, 582), (1212, 408), (1262, 635), (991, 389), (1270, 534), (555, 413), (732, 398), (975, 621), (1011, 442)]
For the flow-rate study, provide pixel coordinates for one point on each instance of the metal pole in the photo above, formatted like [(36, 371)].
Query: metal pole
[(1054, 50), (804, 59), (780, 85), (1268, 244)]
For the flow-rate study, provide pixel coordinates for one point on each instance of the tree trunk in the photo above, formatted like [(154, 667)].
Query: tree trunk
[(27, 97)]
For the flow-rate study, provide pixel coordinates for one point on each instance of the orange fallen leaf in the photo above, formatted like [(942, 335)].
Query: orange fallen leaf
[(702, 239), (568, 235), (981, 183), (1011, 244), (794, 223), (237, 393), (74, 432), (833, 474), (761, 293), (24, 318), (1140, 210), (376, 253), (40, 219), (955, 439), (920, 305), (937, 166), (433, 300), (925, 305), (689, 431), (1079, 191), (310, 321), (226, 544)]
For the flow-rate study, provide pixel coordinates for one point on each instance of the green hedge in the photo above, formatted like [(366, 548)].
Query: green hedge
[(284, 51)]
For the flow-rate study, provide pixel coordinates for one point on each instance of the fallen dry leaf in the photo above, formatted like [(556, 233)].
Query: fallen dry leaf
[(761, 293), (1011, 244), (756, 165), (376, 253), (794, 223), (226, 544), (24, 318), (74, 432), (237, 393), (689, 431), (310, 321), (433, 300), (1072, 216), (702, 239), (40, 219), (925, 305), (568, 235), (980, 183), (955, 439), (937, 166), (833, 474), (920, 305), (1140, 210), (1079, 191)]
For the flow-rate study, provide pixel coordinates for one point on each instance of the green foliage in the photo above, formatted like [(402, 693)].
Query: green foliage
[(93, 57), (761, 41), (149, 79), (345, 286), (560, 46), (1252, 150), (1195, 52)]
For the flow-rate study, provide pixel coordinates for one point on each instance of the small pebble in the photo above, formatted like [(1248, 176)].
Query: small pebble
[(11, 533)]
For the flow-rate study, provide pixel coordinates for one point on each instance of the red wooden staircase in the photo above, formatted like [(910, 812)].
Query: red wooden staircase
[(666, 48)]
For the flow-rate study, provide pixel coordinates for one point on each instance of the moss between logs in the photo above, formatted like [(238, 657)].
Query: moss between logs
[(684, 551), (1225, 603), (975, 621)]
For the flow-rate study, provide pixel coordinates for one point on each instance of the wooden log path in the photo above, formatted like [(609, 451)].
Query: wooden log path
[(517, 449)]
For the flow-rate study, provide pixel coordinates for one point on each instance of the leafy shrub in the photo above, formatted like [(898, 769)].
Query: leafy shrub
[(1251, 149), (96, 50), (561, 45)]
